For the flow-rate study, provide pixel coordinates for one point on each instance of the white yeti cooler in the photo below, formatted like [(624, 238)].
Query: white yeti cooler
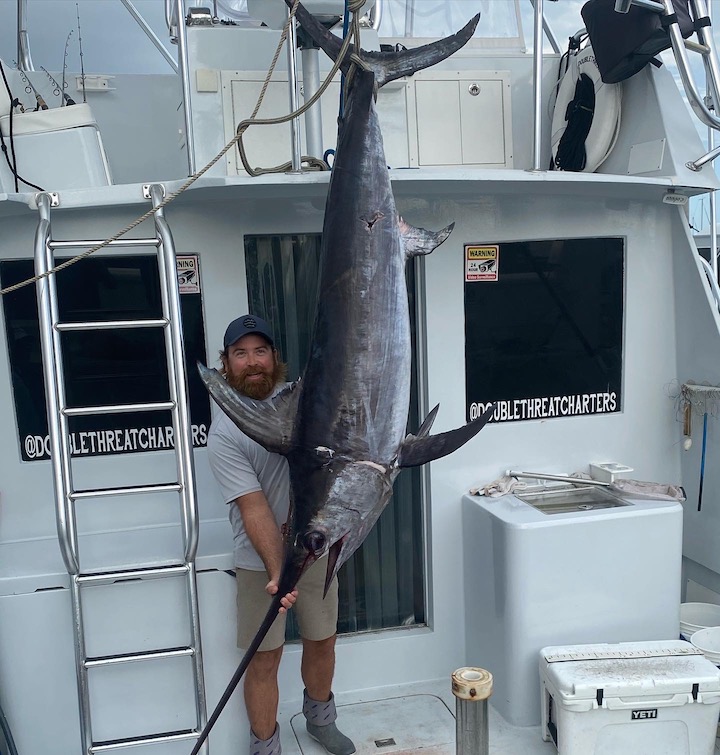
[(631, 698)]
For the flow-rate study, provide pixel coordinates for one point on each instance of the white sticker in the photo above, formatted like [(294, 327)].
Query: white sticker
[(188, 273)]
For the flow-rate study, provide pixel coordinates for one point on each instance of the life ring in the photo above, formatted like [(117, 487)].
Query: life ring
[(573, 113)]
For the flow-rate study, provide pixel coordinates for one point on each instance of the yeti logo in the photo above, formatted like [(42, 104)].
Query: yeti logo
[(639, 715)]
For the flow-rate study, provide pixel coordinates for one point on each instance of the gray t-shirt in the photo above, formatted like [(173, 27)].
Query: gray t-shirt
[(242, 466)]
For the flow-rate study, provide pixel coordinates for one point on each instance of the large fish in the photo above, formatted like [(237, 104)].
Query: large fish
[(342, 426)]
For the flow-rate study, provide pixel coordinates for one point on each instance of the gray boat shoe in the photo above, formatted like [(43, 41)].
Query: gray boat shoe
[(270, 746), (320, 723)]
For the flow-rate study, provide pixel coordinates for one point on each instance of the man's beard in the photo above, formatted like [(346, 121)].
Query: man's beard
[(259, 388)]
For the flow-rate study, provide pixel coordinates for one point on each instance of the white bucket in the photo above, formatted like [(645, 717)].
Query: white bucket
[(708, 640), (697, 616)]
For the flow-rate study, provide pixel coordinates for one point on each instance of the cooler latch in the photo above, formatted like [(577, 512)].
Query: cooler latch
[(695, 691), (599, 697)]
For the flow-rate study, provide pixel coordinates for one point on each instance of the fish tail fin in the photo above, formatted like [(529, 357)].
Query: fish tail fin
[(418, 450), (418, 241), (387, 66)]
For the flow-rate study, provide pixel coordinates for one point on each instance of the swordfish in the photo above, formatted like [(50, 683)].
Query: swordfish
[(342, 426)]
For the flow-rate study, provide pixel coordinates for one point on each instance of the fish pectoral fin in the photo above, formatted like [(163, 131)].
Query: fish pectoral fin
[(418, 241), (269, 423), (415, 451)]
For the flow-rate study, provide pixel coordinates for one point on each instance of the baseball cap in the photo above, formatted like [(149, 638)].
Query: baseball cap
[(245, 325)]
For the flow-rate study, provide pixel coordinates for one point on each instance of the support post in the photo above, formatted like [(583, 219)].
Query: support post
[(472, 687)]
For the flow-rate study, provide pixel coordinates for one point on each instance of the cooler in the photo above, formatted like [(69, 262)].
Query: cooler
[(630, 698)]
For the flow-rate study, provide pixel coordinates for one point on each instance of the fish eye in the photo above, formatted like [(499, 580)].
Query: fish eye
[(314, 541)]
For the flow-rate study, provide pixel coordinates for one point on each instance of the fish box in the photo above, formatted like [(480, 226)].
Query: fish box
[(54, 149), (630, 698)]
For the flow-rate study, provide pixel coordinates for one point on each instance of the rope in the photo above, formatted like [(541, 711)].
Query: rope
[(237, 139), (244, 125)]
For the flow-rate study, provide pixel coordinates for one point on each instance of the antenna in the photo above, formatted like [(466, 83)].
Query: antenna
[(82, 66)]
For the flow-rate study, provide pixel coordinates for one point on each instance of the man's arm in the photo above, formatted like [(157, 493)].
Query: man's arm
[(266, 539)]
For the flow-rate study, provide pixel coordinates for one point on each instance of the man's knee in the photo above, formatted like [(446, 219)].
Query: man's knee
[(265, 662), (320, 647)]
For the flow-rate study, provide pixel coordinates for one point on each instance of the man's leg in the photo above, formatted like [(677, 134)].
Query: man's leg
[(317, 618), (261, 692), (318, 667), (261, 687)]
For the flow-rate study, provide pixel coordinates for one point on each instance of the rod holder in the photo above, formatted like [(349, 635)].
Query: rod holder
[(472, 688)]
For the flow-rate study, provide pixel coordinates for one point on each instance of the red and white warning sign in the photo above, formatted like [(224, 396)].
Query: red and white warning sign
[(481, 262)]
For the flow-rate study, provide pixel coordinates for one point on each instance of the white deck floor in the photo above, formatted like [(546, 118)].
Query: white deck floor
[(408, 718)]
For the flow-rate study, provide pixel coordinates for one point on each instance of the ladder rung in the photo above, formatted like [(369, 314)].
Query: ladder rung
[(696, 47), (161, 487), (89, 243), (84, 411), (149, 572), (171, 736), (111, 325), (148, 655)]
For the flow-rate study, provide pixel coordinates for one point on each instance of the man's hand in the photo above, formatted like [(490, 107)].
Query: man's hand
[(287, 602)]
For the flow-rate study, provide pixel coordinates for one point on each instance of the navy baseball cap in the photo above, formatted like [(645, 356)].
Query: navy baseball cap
[(245, 325)]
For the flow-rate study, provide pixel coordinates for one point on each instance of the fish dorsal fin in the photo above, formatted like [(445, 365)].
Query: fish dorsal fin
[(418, 241), (269, 423), (427, 423), (417, 450), (387, 66)]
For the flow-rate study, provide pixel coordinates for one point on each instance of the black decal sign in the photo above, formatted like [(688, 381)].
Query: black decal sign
[(544, 339), (105, 367)]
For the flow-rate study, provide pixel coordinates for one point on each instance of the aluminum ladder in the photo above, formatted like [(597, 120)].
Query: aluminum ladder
[(66, 496)]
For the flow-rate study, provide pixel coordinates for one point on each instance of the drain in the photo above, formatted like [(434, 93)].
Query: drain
[(384, 742)]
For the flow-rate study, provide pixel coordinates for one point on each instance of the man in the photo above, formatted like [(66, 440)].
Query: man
[(256, 484)]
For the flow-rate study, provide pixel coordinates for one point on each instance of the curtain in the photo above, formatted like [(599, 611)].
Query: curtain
[(382, 585)]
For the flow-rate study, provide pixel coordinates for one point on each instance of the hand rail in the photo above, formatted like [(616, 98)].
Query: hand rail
[(143, 24), (23, 42), (186, 89), (375, 15), (711, 278), (537, 83), (552, 39), (697, 102)]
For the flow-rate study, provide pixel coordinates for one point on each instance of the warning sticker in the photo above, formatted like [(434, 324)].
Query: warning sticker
[(481, 262), (188, 274)]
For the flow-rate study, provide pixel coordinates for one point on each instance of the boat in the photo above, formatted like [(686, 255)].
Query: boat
[(575, 301)]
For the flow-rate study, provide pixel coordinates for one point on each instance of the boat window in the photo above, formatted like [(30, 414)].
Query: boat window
[(382, 585), (104, 366), (499, 26), (544, 328)]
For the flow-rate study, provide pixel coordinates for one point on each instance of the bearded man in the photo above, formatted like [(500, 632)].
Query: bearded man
[(256, 485)]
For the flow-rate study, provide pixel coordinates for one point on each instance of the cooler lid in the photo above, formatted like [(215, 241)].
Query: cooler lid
[(628, 669)]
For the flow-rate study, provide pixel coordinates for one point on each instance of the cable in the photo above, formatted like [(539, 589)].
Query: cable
[(12, 165)]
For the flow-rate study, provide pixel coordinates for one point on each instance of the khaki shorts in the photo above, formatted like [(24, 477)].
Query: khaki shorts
[(316, 617)]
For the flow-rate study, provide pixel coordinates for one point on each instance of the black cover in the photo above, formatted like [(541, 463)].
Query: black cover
[(624, 43)]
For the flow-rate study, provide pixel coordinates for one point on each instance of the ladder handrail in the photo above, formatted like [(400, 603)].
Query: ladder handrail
[(178, 377), (170, 291), (58, 429), (51, 330)]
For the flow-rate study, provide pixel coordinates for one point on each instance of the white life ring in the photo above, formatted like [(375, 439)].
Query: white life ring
[(606, 118)]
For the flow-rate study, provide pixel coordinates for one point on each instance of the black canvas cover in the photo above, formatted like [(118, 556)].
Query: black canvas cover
[(624, 43)]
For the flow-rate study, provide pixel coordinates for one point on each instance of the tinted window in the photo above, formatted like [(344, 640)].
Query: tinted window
[(543, 327), (106, 366)]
